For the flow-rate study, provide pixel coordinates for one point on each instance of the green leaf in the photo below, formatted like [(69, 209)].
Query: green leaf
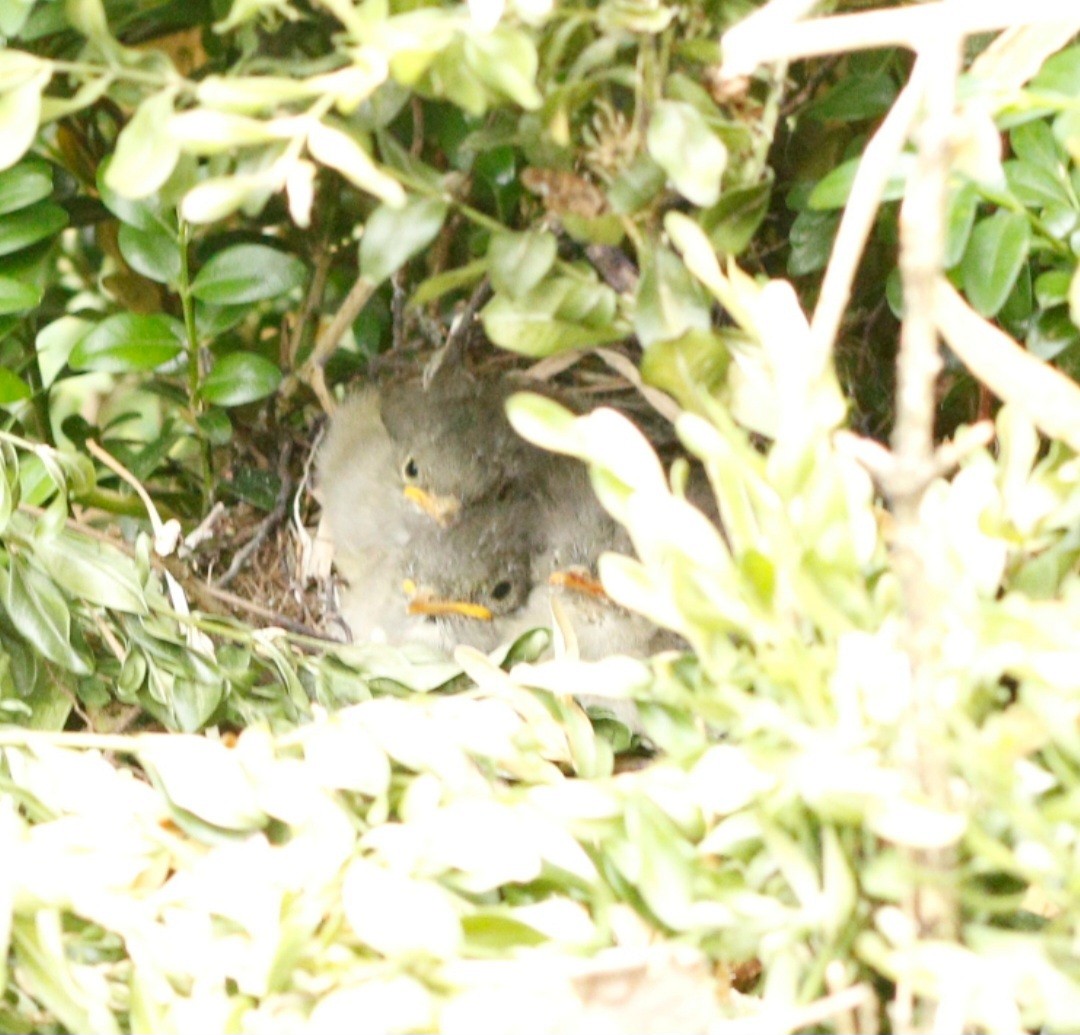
[(1074, 297), (1034, 144), (856, 97), (23, 184), (689, 152), (688, 365), (669, 301), (811, 240), (1036, 185), (558, 314), (247, 273), (997, 250), (517, 262), (394, 234), (833, 189), (732, 222), (505, 60), (92, 572), (29, 225), (40, 613), (1060, 74), (961, 218), (240, 377), (155, 253), (129, 342), (12, 387), (146, 152), (450, 280), (636, 186), (16, 296), (1052, 288)]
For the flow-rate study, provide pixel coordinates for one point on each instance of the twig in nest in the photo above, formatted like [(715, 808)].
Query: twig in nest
[(268, 524), (457, 341)]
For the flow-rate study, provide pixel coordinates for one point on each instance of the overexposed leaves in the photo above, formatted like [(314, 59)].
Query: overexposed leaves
[(397, 914), (338, 150), (146, 152)]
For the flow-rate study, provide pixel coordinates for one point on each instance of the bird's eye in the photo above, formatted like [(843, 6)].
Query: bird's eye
[(501, 590), (410, 469)]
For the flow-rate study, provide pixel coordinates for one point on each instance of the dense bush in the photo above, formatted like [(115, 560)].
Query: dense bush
[(860, 811)]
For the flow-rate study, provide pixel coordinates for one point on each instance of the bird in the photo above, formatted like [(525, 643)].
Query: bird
[(369, 519), (473, 580), (425, 482), (453, 442)]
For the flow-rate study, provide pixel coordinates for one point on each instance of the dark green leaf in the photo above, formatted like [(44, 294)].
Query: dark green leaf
[(518, 262), (997, 250), (856, 97), (240, 377), (211, 321), (16, 296), (1052, 333), (29, 225), (833, 189), (247, 273), (128, 342), (24, 184), (154, 253), (732, 222), (392, 236), (811, 240)]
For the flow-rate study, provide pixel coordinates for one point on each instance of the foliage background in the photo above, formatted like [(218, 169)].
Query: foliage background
[(862, 810)]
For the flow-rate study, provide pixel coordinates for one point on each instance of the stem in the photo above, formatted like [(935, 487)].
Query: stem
[(932, 904), (194, 367)]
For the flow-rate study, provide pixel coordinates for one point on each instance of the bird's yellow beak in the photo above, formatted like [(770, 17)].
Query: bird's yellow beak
[(442, 509), (579, 581), (423, 602)]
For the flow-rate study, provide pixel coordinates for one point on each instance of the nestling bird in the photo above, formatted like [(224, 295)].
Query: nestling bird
[(473, 581)]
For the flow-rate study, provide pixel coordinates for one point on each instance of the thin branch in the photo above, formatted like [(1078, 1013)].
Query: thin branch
[(877, 164), (268, 524), (775, 33)]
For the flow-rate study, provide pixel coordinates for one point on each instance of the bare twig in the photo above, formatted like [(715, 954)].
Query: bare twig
[(313, 371), (877, 164), (268, 524), (775, 32), (932, 905), (166, 533), (457, 340)]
